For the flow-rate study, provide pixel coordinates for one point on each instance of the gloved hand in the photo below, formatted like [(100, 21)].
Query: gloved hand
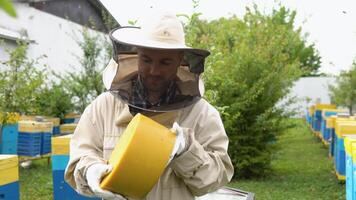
[(94, 175), (180, 143)]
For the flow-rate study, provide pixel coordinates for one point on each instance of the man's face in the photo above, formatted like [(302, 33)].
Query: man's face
[(158, 67)]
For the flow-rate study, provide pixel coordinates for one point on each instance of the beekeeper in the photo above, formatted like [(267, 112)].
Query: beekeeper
[(155, 73)]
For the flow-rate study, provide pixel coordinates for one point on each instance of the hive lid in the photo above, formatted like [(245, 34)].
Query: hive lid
[(29, 127), (8, 161), (142, 151), (343, 128), (320, 106)]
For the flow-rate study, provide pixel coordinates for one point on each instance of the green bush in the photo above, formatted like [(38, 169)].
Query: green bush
[(253, 64), (21, 81), (344, 92)]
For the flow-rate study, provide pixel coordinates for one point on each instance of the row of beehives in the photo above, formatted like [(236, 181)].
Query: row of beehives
[(337, 131), (9, 173), (31, 135)]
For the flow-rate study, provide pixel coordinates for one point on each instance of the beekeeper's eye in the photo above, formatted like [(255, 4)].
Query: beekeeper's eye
[(146, 60), (166, 62)]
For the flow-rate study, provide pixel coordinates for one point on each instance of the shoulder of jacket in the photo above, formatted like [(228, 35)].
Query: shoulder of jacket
[(202, 107)]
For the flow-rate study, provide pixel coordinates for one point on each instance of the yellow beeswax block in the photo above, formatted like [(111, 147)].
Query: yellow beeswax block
[(139, 158)]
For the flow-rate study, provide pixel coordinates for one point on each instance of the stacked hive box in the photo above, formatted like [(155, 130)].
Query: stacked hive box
[(330, 127), (325, 132), (56, 122), (30, 136), (350, 146), (353, 183), (60, 158), (336, 120), (46, 130), (311, 110), (342, 129), (9, 135), (317, 117), (9, 176)]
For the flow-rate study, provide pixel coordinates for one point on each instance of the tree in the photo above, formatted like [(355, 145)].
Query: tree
[(344, 92), (85, 85), (54, 100), (21, 80), (253, 64)]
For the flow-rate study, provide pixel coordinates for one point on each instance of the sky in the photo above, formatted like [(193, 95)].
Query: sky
[(330, 24)]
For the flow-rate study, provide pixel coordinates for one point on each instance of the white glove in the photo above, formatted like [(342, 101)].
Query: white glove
[(180, 143), (94, 175)]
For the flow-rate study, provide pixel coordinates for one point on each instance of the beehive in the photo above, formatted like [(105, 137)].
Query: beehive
[(139, 157), (9, 176), (29, 139), (342, 129), (59, 159), (350, 145), (67, 128), (60, 145)]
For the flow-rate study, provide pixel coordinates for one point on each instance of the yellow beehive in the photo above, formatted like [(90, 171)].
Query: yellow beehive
[(320, 106), (29, 127), (67, 128), (343, 128), (9, 171), (60, 145), (139, 157)]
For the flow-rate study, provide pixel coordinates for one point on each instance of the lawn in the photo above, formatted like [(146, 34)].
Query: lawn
[(301, 171)]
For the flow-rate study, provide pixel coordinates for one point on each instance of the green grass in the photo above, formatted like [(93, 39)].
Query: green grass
[(36, 181), (301, 171)]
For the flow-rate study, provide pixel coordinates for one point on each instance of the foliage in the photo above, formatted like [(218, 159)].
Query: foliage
[(54, 101), (21, 81), (9, 118), (85, 84), (344, 93), (253, 63), (7, 6)]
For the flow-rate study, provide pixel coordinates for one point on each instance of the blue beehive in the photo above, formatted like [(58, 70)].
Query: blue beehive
[(60, 158), (350, 146), (342, 129), (9, 139), (55, 124), (46, 129), (29, 140), (326, 113), (317, 118)]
